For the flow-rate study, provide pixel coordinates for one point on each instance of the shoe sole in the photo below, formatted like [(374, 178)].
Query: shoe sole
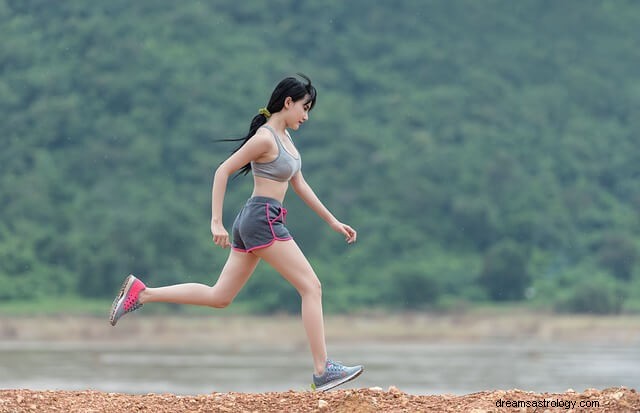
[(343, 380), (126, 285)]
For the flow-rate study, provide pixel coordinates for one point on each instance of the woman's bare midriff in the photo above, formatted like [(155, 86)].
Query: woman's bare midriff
[(269, 188)]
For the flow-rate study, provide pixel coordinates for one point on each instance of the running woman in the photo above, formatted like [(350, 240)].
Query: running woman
[(259, 231)]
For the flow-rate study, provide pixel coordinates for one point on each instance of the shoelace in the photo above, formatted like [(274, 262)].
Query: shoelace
[(335, 367)]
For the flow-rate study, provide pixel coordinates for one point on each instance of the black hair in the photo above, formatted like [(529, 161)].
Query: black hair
[(288, 87)]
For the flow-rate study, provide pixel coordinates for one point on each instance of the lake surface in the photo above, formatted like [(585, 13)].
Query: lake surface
[(417, 368)]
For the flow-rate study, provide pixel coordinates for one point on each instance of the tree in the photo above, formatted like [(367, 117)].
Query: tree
[(504, 274)]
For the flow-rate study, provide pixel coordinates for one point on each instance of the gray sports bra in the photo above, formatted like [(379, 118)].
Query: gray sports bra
[(281, 169)]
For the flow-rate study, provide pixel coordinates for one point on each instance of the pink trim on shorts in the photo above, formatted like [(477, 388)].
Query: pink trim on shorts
[(283, 214)]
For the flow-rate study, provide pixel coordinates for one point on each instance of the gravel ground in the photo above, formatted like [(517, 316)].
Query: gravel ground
[(362, 400)]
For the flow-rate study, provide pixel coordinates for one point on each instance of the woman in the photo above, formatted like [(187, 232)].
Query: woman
[(259, 232)]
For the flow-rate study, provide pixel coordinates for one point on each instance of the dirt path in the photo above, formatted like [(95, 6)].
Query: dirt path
[(363, 400)]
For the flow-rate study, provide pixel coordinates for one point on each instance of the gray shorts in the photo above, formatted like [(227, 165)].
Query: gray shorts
[(259, 224)]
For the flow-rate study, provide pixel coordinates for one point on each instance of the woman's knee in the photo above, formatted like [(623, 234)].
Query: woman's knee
[(219, 299), (221, 303), (311, 287)]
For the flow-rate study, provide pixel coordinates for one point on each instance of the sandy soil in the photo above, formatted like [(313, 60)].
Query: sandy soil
[(468, 327), (362, 400)]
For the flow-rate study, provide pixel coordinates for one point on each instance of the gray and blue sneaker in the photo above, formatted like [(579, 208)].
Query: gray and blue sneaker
[(334, 375)]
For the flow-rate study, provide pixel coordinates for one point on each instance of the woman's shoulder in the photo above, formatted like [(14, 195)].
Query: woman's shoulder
[(263, 137), (261, 141), (262, 133)]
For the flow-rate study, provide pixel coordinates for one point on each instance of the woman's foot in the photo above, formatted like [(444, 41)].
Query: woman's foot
[(127, 299), (334, 375)]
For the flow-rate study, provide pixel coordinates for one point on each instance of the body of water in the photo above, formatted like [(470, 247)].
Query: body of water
[(417, 368)]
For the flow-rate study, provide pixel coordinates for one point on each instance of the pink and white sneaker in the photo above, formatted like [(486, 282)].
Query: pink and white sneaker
[(127, 299)]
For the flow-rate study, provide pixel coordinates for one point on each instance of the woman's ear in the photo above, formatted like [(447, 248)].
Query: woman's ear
[(288, 102)]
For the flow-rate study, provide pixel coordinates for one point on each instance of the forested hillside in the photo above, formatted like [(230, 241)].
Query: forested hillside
[(485, 151)]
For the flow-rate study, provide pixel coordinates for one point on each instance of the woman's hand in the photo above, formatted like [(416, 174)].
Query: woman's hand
[(220, 235), (349, 233)]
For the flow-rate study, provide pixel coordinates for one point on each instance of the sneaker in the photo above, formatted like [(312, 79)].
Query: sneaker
[(127, 299), (334, 375)]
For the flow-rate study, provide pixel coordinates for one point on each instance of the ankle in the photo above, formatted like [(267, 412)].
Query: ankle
[(143, 296), (319, 369)]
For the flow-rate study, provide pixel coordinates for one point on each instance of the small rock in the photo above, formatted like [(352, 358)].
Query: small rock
[(591, 392), (322, 404), (375, 388), (394, 389), (618, 395)]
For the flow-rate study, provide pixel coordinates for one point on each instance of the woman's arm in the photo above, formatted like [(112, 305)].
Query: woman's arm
[(253, 149), (304, 191), (220, 179)]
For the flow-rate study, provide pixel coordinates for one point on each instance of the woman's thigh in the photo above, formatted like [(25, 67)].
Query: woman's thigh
[(236, 272), (287, 258)]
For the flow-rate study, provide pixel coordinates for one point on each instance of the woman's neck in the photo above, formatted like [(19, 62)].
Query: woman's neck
[(278, 124)]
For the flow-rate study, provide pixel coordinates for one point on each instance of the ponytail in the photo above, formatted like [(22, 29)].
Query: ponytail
[(257, 121)]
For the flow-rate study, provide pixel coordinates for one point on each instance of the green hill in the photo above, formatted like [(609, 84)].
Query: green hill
[(485, 151)]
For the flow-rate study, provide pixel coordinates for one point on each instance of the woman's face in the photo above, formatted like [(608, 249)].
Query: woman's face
[(297, 112)]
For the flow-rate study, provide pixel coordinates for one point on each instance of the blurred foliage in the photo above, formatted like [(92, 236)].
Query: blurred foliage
[(504, 274), (483, 150), (596, 294)]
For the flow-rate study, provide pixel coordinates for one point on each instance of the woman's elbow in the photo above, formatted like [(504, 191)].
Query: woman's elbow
[(301, 189), (222, 171)]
